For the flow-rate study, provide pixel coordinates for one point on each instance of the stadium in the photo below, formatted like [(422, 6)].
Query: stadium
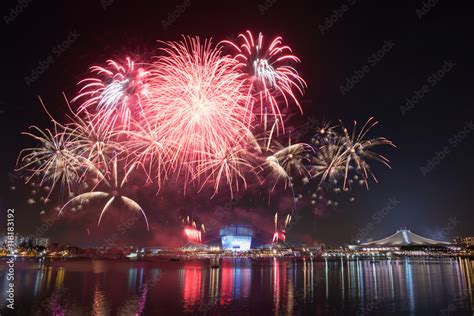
[(236, 237), (402, 238)]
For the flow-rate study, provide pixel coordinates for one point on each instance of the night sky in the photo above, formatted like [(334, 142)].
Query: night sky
[(425, 52)]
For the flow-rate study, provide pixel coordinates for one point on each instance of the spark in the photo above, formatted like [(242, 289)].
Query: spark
[(198, 103), (116, 93), (54, 161), (359, 151), (115, 186), (269, 75)]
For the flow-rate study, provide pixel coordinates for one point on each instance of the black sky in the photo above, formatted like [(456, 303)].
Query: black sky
[(427, 203)]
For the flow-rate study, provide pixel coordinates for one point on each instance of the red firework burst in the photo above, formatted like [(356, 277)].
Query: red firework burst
[(270, 77), (199, 104), (116, 93)]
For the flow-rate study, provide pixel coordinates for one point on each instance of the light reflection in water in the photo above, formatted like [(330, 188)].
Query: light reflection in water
[(99, 303), (214, 286), (468, 267), (135, 279), (39, 278), (132, 279), (227, 271), (374, 281), (391, 281), (191, 280), (48, 278), (276, 286), (135, 305), (326, 271), (290, 292), (342, 280), (308, 281), (360, 280), (409, 285), (54, 305), (246, 282), (60, 278)]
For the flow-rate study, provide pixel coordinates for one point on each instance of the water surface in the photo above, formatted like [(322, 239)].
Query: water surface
[(241, 287)]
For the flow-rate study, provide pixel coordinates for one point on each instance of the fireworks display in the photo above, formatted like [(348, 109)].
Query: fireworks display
[(341, 158), (54, 163), (270, 77), (279, 234), (199, 108), (191, 232), (288, 161), (192, 115), (116, 93), (113, 194)]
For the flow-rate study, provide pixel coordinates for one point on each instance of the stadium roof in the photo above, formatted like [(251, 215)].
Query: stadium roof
[(404, 237)]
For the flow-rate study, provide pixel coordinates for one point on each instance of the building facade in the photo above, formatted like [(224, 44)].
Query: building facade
[(464, 241), (236, 237)]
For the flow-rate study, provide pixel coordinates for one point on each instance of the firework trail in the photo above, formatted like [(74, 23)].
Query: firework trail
[(146, 147), (359, 150), (198, 102), (326, 133), (230, 165), (269, 76), (341, 156), (197, 119), (97, 143), (115, 187), (280, 234), (329, 163), (201, 108), (191, 232), (287, 161), (193, 115), (54, 162), (116, 93)]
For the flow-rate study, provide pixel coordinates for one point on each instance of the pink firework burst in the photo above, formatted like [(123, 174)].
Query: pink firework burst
[(199, 103), (146, 147), (230, 167), (270, 76), (116, 92), (192, 234)]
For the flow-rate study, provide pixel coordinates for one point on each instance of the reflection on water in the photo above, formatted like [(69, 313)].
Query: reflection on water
[(191, 285), (242, 286)]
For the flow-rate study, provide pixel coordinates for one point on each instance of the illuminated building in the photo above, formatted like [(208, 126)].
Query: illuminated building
[(41, 241), (402, 238), (236, 237), (464, 241), (24, 240)]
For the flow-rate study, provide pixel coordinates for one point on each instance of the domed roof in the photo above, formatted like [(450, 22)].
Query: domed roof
[(404, 237)]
